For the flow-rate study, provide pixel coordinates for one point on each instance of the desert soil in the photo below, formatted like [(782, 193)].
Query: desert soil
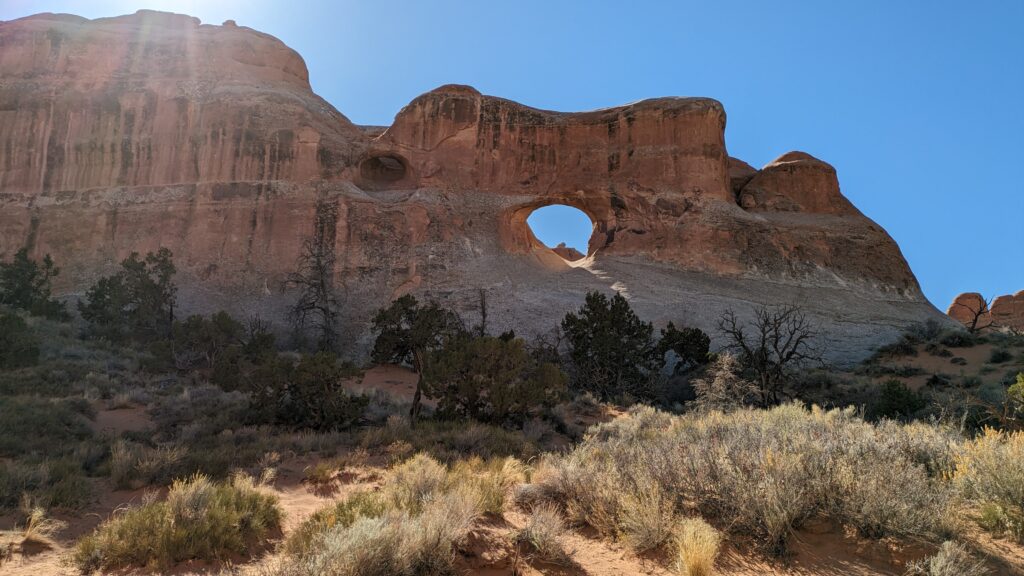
[(819, 549)]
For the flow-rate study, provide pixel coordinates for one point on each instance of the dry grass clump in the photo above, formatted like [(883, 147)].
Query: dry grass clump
[(200, 519), (952, 559), (492, 479), (544, 533), (989, 471), (38, 529), (33, 533), (413, 525), (696, 546), (762, 472)]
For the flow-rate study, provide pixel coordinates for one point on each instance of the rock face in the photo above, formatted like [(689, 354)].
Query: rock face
[(135, 132), (1006, 312)]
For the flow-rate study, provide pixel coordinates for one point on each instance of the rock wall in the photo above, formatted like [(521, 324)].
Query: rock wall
[(150, 130)]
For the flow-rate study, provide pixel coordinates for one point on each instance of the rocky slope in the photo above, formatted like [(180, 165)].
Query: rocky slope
[(148, 130)]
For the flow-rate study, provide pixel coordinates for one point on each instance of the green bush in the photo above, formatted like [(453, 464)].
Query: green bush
[(25, 284), (895, 400), (136, 302), (999, 355), (310, 394), (613, 352), (19, 346), (959, 339), (199, 520), (199, 342), (53, 484), (38, 425), (491, 380)]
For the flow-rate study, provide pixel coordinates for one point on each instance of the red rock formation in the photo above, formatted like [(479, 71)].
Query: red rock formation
[(129, 133), (1005, 312), (567, 252), (796, 182)]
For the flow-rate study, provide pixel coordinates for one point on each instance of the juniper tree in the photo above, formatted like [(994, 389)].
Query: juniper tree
[(612, 350), (407, 332), (26, 284), (137, 301)]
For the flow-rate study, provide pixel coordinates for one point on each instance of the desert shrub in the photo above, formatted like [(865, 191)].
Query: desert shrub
[(342, 514), (412, 526), (901, 371), (491, 379), (696, 546), (53, 484), (414, 481), (646, 515), (989, 471), (999, 355), (898, 349), (492, 479), (926, 331), (952, 559), (544, 535), (760, 472), (199, 519), (43, 426), (25, 284), (449, 440), (896, 400), (136, 302), (613, 353), (723, 387), (134, 465), (958, 339), (1015, 400), (19, 346), (198, 411), (937, 350)]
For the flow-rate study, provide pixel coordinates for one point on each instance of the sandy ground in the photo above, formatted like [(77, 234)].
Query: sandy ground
[(976, 366)]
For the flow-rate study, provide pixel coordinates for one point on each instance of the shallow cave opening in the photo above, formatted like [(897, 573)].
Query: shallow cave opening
[(385, 168), (565, 230)]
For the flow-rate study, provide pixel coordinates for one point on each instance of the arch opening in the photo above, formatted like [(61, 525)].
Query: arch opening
[(566, 230)]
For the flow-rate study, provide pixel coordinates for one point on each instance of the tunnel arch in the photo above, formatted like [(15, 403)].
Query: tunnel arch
[(563, 229), (518, 237)]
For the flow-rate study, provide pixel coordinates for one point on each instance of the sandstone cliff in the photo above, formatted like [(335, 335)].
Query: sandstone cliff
[(1005, 312), (149, 130)]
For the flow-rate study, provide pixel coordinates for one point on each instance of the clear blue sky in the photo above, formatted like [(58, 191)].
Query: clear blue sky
[(918, 104)]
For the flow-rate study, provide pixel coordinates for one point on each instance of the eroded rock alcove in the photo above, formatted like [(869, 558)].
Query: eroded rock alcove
[(208, 140)]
